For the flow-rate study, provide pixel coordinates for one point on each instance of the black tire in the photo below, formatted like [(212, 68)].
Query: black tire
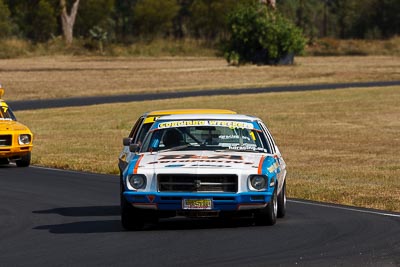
[(282, 202), (267, 216), (25, 160), (4, 161), (131, 217)]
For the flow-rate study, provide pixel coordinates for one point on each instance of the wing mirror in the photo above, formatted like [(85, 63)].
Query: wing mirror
[(132, 147), (127, 141)]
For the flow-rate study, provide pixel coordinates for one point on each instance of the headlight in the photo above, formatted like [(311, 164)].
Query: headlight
[(137, 181), (24, 139), (258, 182)]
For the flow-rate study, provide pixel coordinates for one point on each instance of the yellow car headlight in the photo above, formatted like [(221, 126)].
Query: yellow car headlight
[(24, 139)]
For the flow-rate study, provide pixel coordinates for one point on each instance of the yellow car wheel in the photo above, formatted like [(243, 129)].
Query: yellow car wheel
[(25, 160)]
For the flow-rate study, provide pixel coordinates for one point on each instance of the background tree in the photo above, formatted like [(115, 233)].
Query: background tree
[(346, 12), (44, 22), (154, 17), (182, 20), (377, 19), (263, 36), (68, 20), (5, 24), (21, 15), (209, 18), (271, 3), (306, 14), (123, 19), (389, 15), (95, 14), (126, 20), (35, 20)]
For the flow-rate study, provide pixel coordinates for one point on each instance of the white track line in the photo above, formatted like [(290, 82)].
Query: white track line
[(345, 208)]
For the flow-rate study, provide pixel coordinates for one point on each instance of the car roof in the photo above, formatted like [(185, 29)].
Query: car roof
[(189, 111), (151, 116), (240, 117)]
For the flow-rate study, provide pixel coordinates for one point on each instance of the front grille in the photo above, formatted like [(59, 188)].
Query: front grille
[(5, 140), (197, 183)]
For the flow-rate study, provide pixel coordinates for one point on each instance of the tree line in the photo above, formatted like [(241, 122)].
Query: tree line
[(124, 21)]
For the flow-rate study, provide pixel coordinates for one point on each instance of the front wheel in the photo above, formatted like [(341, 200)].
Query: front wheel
[(24, 161), (282, 202), (267, 215), (131, 218)]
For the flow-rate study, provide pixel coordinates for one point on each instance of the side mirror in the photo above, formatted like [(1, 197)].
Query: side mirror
[(127, 141), (134, 148)]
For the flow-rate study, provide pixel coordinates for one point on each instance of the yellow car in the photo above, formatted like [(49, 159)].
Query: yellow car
[(143, 124), (15, 138)]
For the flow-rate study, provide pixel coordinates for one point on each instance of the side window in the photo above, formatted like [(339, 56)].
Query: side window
[(270, 136), (262, 138), (142, 132), (136, 127), (270, 140)]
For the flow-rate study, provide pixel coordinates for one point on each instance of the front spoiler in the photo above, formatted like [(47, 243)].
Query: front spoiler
[(221, 201)]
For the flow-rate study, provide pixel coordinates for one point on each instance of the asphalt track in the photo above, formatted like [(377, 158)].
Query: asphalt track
[(64, 218), (94, 100)]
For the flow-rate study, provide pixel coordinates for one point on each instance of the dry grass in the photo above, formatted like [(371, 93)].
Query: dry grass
[(336, 47), (341, 146), (53, 77)]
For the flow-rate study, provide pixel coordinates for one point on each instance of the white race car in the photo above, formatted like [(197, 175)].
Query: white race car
[(204, 165)]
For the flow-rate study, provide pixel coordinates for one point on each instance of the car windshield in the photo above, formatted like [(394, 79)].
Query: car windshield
[(6, 113), (205, 137)]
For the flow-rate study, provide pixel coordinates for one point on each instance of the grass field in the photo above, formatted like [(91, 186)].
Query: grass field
[(341, 146), (52, 77)]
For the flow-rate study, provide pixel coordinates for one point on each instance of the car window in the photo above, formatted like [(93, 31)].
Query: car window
[(271, 141), (6, 113), (206, 138), (135, 127), (142, 133)]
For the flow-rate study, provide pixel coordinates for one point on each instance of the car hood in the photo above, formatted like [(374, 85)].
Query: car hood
[(6, 125), (200, 161)]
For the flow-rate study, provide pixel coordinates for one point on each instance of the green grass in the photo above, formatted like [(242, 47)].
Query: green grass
[(341, 146)]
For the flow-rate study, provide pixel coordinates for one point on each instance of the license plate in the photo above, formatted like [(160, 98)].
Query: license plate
[(197, 204)]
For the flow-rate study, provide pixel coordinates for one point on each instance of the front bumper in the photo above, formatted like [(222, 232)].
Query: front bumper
[(220, 201), (15, 151)]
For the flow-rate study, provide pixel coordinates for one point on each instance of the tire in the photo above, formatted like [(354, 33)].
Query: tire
[(4, 161), (282, 202), (25, 160), (267, 216), (131, 218)]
